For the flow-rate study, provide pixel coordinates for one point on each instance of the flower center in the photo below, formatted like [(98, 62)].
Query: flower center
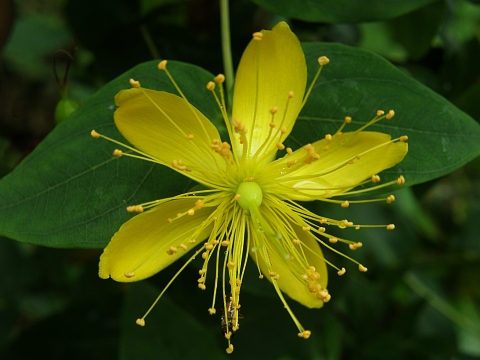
[(250, 195)]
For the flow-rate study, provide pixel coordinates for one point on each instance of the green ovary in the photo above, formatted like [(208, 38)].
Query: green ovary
[(250, 195)]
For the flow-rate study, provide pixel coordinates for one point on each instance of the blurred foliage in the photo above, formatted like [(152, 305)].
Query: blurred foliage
[(420, 298)]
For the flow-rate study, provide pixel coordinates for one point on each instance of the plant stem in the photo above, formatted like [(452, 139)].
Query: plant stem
[(226, 48)]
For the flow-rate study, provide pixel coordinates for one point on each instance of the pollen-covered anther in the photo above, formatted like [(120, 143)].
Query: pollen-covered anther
[(306, 228), (250, 179), (202, 286), (199, 204), (311, 154), (327, 298), (296, 242), (212, 311), (201, 280), (231, 265), (345, 204), (290, 94), (403, 138), (274, 275), (333, 240), (283, 130), (291, 163), (380, 112), (94, 134), (348, 119), (237, 197), (172, 250), (347, 223), (390, 199), (210, 86), (229, 350), (362, 268), (341, 272), (280, 146), (274, 110), (208, 246), (162, 65), (321, 229), (219, 79), (178, 164), (183, 247), (140, 322), (135, 208), (192, 241), (289, 151), (390, 227), (239, 126), (134, 83), (323, 60), (400, 180), (190, 136), (225, 243), (257, 36), (352, 246), (272, 125), (390, 114), (190, 212), (129, 274), (375, 178), (221, 148), (328, 137)]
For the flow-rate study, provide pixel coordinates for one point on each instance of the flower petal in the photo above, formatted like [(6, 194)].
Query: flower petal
[(269, 69), (167, 127), (290, 281), (371, 152), (141, 244)]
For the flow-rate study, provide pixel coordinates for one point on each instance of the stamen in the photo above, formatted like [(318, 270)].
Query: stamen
[(390, 227), (257, 36), (117, 153), (134, 83), (362, 268)]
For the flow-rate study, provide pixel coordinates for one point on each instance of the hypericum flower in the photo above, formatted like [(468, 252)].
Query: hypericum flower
[(247, 208)]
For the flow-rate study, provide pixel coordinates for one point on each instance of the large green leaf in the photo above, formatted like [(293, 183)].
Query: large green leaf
[(357, 83), (341, 10), (70, 192)]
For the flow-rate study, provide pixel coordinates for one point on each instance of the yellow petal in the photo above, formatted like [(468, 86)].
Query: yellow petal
[(289, 281), (269, 69), (332, 171), (140, 246), (168, 128)]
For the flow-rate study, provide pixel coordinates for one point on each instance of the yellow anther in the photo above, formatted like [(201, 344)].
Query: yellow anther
[(251, 179), (358, 245), (328, 137), (290, 94), (208, 246), (323, 60), (237, 197), (229, 350), (231, 265), (201, 280), (172, 250), (289, 151), (390, 226), (199, 204), (212, 311), (403, 138), (327, 298), (341, 272), (283, 130), (323, 221), (333, 240), (191, 212), (362, 268), (380, 112), (202, 286), (325, 148), (257, 36), (272, 125), (390, 114), (305, 334), (210, 86), (129, 274), (375, 178), (134, 83), (94, 134), (321, 229), (135, 208), (390, 199), (291, 163), (296, 241), (183, 247), (140, 322), (280, 146), (352, 246), (117, 153), (192, 241), (225, 243), (348, 119), (400, 180), (190, 136), (273, 110), (357, 227), (345, 204), (219, 79), (162, 65), (306, 228), (202, 271)]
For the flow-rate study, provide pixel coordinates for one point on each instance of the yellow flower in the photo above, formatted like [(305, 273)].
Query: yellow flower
[(247, 205)]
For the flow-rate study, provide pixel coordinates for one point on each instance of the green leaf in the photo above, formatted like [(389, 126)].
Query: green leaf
[(357, 83), (71, 192), (341, 10), (170, 332)]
